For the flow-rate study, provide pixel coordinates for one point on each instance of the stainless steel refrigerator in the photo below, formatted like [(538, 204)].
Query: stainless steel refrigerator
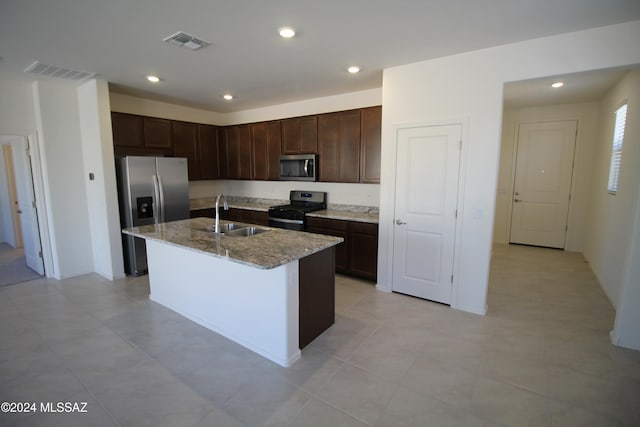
[(151, 190)]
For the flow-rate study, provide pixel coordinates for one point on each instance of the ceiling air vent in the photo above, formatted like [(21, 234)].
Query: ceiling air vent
[(59, 72), (186, 40)]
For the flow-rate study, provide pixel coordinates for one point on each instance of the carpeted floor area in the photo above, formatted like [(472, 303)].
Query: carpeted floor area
[(13, 267)]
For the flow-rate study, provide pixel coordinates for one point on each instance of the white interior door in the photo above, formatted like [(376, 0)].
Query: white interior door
[(427, 169), (28, 216), (544, 166)]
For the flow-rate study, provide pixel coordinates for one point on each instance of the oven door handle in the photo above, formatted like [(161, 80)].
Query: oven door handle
[(287, 221)]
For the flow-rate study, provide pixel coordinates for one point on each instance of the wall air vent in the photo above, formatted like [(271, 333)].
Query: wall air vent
[(186, 40), (58, 72)]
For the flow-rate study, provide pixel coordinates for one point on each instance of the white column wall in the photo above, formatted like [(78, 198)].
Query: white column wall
[(102, 196), (467, 88), (59, 139)]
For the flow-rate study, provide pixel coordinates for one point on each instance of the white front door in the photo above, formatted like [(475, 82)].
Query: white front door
[(544, 166), (28, 216), (427, 169)]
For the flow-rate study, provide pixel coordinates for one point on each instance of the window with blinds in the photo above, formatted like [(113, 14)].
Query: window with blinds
[(616, 149)]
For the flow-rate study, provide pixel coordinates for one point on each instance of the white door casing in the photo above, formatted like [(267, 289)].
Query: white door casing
[(427, 175), (542, 184), (29, 217)]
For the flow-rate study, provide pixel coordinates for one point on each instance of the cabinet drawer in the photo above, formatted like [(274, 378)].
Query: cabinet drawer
[(331, 224), (363, 227)]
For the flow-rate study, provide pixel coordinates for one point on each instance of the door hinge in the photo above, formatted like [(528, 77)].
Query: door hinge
[(460, 145), (33, 204), (40, 254), (452, 278), (455, 215)]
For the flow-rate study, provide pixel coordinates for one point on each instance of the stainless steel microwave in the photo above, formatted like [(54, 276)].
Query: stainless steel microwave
[(299, 167)]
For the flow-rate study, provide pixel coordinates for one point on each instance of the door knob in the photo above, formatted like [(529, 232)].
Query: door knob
[(399, 222), (517, 200), (19, 211)]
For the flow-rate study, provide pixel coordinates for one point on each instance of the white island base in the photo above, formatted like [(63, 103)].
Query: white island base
[(257, 308)]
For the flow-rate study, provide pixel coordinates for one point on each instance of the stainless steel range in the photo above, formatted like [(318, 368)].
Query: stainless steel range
[(293, 215)]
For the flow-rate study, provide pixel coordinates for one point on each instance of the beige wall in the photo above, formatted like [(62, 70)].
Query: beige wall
[(611, 216), (586, 114)]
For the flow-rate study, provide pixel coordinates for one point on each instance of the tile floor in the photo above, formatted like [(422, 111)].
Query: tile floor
[(13, 266), (540, 357)]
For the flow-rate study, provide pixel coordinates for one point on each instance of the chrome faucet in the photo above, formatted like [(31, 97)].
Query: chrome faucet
[(216, 227)]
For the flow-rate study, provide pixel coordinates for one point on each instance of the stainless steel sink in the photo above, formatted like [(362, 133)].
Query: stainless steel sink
[(225, 228), (246, 231), (237, 230)]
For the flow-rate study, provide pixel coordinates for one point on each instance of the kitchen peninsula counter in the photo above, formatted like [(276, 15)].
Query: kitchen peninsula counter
[(272, 292)]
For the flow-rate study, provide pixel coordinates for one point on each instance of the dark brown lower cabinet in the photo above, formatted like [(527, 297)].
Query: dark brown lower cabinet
[(248, 216), (358, 254), (316, 290)]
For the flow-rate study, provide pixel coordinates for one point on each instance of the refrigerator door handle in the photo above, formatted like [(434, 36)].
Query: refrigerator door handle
[(156, 196), (162, 207)]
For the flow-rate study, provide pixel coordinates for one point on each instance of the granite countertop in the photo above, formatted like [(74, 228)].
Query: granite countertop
[(342, 212), (265, 250)]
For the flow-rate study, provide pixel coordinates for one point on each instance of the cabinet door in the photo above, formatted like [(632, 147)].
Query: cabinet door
[(349, 147), (332, 227), (291, 136), (300, 135), (308, 135), (328, 142), (157, 133), (127, 130), (185, 144), (274, 142), (209, 158), (259, 151), (233, 152), (363, 250), (371, 145), (244, 151), (222, 152), (202, 213)]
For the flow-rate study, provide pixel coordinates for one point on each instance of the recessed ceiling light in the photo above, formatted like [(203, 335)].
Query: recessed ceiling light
[(557, 85), (228, 97), (287, 32), (353, 69), (153, 79)]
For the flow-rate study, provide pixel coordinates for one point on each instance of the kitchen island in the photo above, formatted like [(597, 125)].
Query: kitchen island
[(272, 292)]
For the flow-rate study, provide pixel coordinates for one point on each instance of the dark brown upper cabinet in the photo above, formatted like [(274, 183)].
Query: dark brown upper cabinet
[(135, 135), (371, 145), (128, 130), (339, 146), (185, 144), (209, 152), (238, 143), (348, 144), (157, 133), (300, 135), (265, 150)]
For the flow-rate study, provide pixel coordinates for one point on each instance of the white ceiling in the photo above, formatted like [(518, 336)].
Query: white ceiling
[(121, 41), (579, 87)]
